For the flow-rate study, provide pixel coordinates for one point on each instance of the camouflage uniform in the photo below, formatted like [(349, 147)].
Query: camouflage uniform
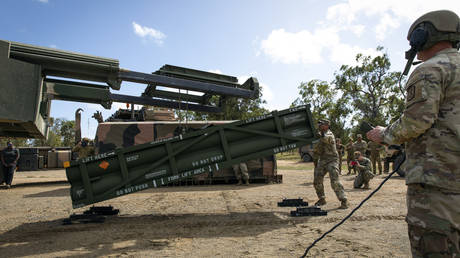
[(360, 146), (365, 173), (328, 162), (340, 150), (430, 127), (84, 150), (241, 171), (374, 149), (349, 148)]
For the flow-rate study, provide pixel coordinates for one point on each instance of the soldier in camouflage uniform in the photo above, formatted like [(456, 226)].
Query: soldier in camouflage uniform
[(241, 171), (430, 128), (374, 150), (340, 150), (328, 162), (363, 165), (349, 149), (84, 148), (360, 145)]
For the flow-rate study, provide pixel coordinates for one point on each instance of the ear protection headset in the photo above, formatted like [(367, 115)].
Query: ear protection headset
[(417, 41)]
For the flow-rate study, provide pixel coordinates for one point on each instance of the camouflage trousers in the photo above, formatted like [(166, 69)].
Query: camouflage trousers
[(362, 178), (320, 172), (241, 171), (433, 218), (375, 158), (340, 163)]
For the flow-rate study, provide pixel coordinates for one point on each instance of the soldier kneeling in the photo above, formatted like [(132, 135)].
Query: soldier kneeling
[(363, 165)]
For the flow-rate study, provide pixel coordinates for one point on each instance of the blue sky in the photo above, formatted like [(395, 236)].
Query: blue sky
[(282, 43)]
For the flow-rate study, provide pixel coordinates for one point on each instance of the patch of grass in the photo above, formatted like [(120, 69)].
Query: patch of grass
[(308, 166), (288, 156), (295, 167)]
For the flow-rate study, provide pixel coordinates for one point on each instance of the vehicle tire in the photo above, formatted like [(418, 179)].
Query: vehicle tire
[(307, 158)]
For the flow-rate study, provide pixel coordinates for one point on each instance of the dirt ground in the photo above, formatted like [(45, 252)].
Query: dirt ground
[(203, 221)]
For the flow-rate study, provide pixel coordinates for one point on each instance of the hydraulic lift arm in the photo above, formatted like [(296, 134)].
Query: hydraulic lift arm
[(28, 75)]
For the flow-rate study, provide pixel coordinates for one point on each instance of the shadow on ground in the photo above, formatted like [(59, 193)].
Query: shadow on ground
[(122, 234), (52, 193)]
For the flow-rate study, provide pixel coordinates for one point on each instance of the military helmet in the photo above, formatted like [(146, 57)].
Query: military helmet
[(432, 27)]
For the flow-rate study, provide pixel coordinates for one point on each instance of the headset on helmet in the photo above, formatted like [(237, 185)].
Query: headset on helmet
[(429, 29)]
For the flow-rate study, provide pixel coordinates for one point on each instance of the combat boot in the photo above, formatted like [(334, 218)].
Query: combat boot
[(247, 182), (343, 204), (239, 182), (366, 186), (320, 202)]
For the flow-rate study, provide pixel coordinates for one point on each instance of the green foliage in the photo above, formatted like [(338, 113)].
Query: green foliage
[(370, 89), (17, 142), (67, 132), (367, 92), (61, 134), (321, 96)]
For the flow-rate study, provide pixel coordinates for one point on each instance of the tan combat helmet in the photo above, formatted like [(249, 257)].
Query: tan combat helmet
[(432, 27)]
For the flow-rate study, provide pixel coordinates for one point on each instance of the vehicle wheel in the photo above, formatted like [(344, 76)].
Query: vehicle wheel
[(307, 158)]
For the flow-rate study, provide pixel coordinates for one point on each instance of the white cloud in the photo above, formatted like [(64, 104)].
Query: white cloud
[(357, 29), (387, 14), (387, 21), (380, 17), (150, 33), (302, 46), (43, 1), (346, 54)]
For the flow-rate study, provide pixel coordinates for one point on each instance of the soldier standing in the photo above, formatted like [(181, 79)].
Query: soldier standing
[(374, 149), (430, 128), (340, 150), (84, 149), (360, 145), (328, 162), (9, 158), (363, 165), (241, 171), (349, 149)]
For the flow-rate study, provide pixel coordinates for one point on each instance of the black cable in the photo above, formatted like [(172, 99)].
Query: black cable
[(356, 208)]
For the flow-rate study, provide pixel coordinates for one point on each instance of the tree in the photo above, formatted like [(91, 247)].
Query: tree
[(319, 95), (370, 89), (324, 103), (61, 133), (67, 132), (17, 142)]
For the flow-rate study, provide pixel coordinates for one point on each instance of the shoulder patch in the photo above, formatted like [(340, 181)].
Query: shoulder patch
[(410, 92)]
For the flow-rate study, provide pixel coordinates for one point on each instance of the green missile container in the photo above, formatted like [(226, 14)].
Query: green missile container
[(109, 175)]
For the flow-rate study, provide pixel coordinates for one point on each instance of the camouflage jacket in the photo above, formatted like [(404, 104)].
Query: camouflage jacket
[(325, 149), (374, 148), (360, 146), (364, 165), (83, 152), (430, 124), (349, 148)]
